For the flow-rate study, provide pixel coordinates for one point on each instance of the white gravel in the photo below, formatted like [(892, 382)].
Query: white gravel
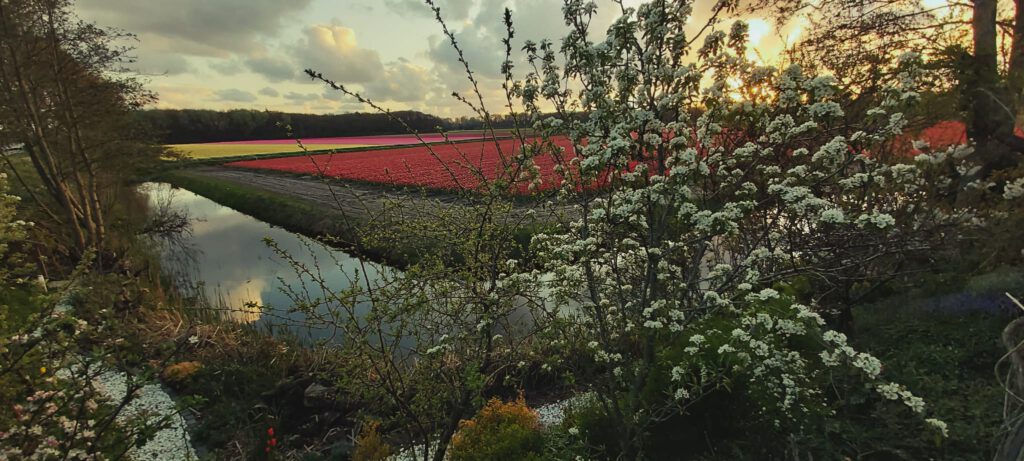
[(553, 413), (408, 454), (170, 443)]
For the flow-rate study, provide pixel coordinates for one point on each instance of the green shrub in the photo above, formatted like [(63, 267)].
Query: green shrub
[(500, 431), (370, 446), (811, 395)]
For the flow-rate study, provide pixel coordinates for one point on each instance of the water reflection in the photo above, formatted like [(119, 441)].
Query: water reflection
[(226, 261)]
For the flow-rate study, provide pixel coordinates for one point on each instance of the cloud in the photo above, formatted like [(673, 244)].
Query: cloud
[(275, 69), (480, 39), (161, 64), (198, 27), (451, 10), (301, 97), (181, 97), (332, 95), (350, 107), (267, 43), (332, 50), (226, 66), (401, 82), (481, 42), (235, 95)]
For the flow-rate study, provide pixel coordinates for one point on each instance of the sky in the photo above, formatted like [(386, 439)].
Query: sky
[(226, 54)]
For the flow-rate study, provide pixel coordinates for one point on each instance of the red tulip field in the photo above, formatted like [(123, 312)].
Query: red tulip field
[(450, 166), (459, 166)]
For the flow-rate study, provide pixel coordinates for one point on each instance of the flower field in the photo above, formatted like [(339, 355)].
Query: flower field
[(220, 150), (280, 146), (416, 166), (948, 133), (460, 165)]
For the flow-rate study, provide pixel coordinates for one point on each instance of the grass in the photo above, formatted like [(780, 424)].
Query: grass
[(302, 217), (280, 210), (294, 215), (216, 151), (17, 303), (943, 346)]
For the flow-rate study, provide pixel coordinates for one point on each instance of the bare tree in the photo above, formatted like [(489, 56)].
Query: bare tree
[(63, 99)]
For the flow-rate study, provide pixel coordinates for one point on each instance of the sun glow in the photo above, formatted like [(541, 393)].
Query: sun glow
[(794, 34), (757, 29)]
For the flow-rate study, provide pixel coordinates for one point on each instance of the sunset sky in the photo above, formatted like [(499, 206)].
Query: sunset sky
[(222, 54)]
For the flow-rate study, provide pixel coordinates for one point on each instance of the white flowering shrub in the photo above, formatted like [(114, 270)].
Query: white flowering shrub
[(12, 231), (703, 181), (55, 410), (52, 409), (780, 353), (1014, 189), (699, 186), (989, 206)]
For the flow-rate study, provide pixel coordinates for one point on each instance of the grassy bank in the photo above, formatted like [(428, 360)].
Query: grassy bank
[(293, 214), (346, 231)]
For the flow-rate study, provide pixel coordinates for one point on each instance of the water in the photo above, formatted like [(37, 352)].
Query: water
[(226, 263)]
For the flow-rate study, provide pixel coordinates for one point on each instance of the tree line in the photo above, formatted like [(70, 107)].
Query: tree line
[(183, 126)]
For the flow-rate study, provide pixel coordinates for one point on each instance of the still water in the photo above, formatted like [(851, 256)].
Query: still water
[(225, 264)]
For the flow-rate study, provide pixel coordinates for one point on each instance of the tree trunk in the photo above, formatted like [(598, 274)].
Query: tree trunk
[(87, 189), (1015, 74), (993, 108), (985, 72)]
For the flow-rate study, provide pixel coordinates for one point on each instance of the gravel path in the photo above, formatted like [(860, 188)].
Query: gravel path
[(172, 443)]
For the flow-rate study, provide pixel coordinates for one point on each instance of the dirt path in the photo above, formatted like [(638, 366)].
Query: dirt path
[(363, 202)]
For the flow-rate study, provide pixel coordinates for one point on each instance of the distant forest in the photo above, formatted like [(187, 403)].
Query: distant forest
[(184, 126)]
